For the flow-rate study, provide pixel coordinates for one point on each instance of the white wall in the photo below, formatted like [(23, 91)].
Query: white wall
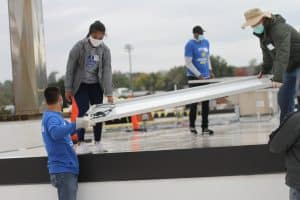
[(260, 187)]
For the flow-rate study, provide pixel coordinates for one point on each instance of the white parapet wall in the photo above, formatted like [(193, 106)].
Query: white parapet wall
[(258, 187)]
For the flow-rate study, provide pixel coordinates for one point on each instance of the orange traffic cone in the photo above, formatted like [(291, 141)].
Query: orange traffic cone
[(134, 120), (135, 123), (74, 115)]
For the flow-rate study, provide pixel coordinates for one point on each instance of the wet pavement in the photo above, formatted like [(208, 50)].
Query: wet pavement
[(162, 134)]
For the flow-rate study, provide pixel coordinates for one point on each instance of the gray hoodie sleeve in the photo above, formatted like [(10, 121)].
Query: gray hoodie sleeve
[(107, 73), (71, 65), (285, 136)]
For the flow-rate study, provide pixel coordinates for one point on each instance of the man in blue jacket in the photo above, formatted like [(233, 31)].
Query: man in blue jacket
[(198, 66), (286, 140), (62, 160)]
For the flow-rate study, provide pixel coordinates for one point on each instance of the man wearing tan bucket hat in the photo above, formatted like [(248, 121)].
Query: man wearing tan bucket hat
[(280, 44)]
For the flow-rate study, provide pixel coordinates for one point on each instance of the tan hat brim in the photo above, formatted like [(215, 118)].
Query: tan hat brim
[(255, 20)]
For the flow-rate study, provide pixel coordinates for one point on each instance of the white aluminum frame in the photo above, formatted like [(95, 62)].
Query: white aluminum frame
[(176, 98)]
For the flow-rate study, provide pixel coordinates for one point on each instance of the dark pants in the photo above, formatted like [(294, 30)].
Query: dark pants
[(294, 194), (193, 108), (66, 185), (89, 94), (287, 93)]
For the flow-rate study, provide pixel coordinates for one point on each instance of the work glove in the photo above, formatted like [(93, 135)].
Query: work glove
[(83, 122), (276, 84)]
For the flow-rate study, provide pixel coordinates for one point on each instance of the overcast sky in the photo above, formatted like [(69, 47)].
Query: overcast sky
[(158, 30)]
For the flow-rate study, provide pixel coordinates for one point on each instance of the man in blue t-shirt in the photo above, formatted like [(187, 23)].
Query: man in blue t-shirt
[(198, 66), (62, 160)]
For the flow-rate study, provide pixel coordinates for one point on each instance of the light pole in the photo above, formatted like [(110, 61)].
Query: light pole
[(129, 48)]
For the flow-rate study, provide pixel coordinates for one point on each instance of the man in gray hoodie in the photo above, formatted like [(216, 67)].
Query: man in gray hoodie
[(286, 140), (88, 78)]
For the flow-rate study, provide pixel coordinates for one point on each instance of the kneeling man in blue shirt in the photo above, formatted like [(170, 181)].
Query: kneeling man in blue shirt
[(62, 160)]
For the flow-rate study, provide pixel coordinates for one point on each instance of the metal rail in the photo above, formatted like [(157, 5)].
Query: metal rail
[(101, 113), (218, 80)]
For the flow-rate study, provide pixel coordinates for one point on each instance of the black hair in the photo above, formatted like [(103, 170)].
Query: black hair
[(52, 95), (97, 26), (198, 29)]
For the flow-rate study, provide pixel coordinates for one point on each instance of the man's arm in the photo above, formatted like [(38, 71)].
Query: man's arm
[(57, 130), (107, 73), (188, 53), (212, 75), (209, 64), (189, 64), (71, 65), (282, 40), (267, 60)]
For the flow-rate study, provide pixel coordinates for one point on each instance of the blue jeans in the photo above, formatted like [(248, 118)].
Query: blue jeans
[(66, 184), (89, 94), (287, 93), (294, 194)]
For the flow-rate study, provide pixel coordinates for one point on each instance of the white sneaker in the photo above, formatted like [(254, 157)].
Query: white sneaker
[(82, 148), (99, 148)]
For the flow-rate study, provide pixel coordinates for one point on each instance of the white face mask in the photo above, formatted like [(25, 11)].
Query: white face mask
[(95, 42)]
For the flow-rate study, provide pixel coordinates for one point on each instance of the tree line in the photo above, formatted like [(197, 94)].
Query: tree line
[(154, 81)]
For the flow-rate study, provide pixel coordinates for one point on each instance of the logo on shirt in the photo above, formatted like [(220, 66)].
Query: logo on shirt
[(92, 61), (203, 55)]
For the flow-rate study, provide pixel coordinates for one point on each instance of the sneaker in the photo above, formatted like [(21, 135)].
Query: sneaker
[(82, 148), (207, 131), (99, 148), (193, 130)]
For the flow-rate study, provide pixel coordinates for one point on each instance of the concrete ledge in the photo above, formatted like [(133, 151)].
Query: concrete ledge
[(188, 163)]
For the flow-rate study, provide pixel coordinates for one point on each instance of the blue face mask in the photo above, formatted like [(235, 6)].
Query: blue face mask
[(200, 38), (259, 29)]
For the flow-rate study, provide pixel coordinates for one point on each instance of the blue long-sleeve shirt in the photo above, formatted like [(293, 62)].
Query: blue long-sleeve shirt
[(199, 52), (57, 139)]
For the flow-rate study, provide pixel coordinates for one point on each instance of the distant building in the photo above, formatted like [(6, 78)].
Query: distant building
[(244, 71), (125, 93)]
